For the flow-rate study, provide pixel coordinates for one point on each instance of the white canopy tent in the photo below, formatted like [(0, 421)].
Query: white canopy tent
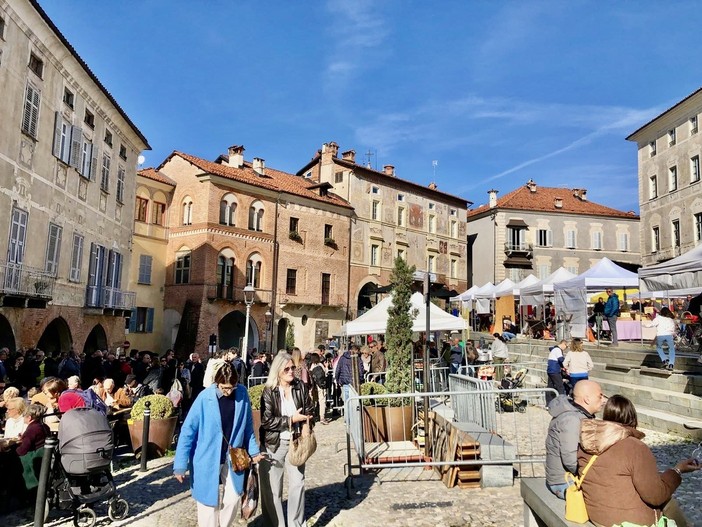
[(503, 288), (526, 282), (482, 297), (375, 320), (683, 272), (535, 293), (571, 295), (466, 296)]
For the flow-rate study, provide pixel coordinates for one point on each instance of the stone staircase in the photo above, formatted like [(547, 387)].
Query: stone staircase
[(665, 401)]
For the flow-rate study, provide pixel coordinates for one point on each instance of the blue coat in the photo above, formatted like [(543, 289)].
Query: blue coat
[(200, 443), (611, 308)]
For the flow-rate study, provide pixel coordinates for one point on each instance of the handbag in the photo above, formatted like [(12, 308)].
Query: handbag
[(238, 456), (575, 510), (303, 446), (249, 502)]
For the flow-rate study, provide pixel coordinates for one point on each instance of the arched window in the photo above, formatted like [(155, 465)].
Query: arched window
[(182, 266), (225, 276), (188, 211), (253, 271), (227, 210), (256, 216)]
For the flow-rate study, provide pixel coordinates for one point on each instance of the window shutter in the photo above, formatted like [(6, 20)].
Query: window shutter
[(549, 238), (133, 321), (76, 146), (93, 162), (150, 320), (58, 124)]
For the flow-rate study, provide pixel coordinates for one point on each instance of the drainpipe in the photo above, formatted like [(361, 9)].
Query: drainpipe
[(274, 296), (348, 273)]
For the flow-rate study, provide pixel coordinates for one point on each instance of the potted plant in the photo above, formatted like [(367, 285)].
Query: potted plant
[(295, 236), (255, 393), (161, 425), (375, 418), (330, 242)]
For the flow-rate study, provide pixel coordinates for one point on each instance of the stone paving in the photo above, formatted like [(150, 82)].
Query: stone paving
[(157, 499)]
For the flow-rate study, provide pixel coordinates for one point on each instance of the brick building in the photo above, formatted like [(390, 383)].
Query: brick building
[(68, 156), (236, 223)]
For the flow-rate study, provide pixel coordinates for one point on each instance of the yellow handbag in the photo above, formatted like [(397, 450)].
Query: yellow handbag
[(575, 510)]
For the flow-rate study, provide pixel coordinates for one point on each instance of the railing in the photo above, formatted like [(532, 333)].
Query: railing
[(19, 279), (236, 294), (527, 248), (109, 298)]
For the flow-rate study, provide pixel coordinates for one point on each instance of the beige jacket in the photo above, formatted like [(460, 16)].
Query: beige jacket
[(578, 362)]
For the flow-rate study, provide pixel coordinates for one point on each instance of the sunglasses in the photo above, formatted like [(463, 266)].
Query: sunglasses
[(289, 369)]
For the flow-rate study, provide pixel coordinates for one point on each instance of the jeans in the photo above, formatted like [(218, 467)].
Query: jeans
[(660, 340), (575, 377)]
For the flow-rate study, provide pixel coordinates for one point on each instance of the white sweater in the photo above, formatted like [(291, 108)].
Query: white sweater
[(663, 325), (578, 362)]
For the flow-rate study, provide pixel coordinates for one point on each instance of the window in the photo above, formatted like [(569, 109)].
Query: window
[(96, 275), (76, 257), (36, 65), (453, 212), (120, 185), (375, 210), (2, 28), (114, 270), (253, 271), (432, 223), (291, 282), (400, 197), (652, 148), (402, 253), (15, 252), (623, 241), (89, 119), (675, 224), (62, 139), (375, 255), (339, 177), (516, 238), (693, 125), (454, 268), (142, 205), (673, 176), (294, 224), (431, 263), (187, 211), (671, 137), (375, 190), (158, 211), (86, 168), (123, 152), (53, 249), (142, 320), (572, 269), (68, 98), (698, 227), (570, 239), (225, 274), (182, 267), (454, 229), (108, 138), (655, 239), (544, 238), (653, 187), (256, 217), (30, 116), (401, 217), (227, 211), (326, 288), (145, 269), (597, 241), (695, 169), (328, 232), (432, 206), (544, 271), (105, 173)]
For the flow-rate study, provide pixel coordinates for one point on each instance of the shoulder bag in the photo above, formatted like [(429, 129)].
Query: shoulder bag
[(302, 447), (575, 510), (249, 501)]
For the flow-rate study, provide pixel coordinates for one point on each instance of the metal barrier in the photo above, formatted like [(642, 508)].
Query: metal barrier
[(473, 401), (255, 381)]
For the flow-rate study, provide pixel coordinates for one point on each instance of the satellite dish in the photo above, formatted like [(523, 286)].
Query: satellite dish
[(141, 160)]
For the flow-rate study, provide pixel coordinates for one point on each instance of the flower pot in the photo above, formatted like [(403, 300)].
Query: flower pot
[(387, 423), (160, 435)]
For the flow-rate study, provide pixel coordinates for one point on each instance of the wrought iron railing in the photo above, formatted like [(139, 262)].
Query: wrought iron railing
[(236, 294), (109, 297), (21, 280)]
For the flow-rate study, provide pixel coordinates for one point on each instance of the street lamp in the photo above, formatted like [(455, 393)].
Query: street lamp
[(249, 293)]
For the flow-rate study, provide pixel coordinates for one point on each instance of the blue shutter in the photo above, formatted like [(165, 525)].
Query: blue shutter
[(133, 321), (150, 320)]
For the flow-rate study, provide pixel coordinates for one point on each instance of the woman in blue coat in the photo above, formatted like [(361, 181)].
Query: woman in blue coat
[(221, 411)]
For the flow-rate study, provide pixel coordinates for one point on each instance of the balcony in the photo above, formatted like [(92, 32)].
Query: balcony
[(23, 286), (111, 300), (312, 299), (525, 250), (235, 294)]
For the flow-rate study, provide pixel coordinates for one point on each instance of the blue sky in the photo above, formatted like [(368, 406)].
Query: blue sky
[(495, 92)]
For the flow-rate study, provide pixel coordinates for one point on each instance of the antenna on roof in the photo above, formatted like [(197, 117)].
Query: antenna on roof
[(434, 163), (369, 154)]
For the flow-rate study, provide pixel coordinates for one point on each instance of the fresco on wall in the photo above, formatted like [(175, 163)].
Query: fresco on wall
[(416, 216)]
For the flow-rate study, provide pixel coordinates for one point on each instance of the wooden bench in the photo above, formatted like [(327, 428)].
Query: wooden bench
[(541, 507)]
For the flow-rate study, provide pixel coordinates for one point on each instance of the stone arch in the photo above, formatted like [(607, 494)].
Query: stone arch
[(97, 340), (366, 297), (227, 209), (187, 211), (254, 269), (231, 331), (56, 337), (7, 336)]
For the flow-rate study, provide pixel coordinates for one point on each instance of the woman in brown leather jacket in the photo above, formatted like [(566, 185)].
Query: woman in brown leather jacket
[(285, 405)]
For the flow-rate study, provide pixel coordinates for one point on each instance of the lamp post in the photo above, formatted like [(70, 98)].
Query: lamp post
[(249, 293), (269, 328)]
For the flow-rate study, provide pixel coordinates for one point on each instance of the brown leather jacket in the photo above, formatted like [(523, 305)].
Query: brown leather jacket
[(273, 422)]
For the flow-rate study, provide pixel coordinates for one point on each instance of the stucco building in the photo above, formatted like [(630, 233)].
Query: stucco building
[(236, 223), (669, 148), (536, 230), (394, 217), (68, 156)]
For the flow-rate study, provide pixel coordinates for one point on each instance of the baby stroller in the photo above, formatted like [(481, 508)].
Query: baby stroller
[(511, 402), (81, 474)]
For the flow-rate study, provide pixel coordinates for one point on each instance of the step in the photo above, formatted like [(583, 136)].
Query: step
[(665, 422), (681, 382), (684, 405)]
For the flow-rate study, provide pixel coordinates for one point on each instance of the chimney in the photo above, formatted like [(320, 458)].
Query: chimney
[(330, 149), (531, 185), (259, 166), (236, 156), (432, 186), (583, 194), (349, 155), (558, 203), (493, 198), (389, 170)]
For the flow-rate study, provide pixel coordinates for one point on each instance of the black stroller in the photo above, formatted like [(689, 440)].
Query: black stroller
[(81, 475), (511, 402)]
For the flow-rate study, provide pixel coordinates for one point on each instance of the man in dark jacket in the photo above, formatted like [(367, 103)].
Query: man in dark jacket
[(611, 312), (456, 356), (197, 374), (564, 432), (343, 374)]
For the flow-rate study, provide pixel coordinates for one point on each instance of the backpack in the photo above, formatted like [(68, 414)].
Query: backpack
[(240, 369), (91, 400), (319, 377)]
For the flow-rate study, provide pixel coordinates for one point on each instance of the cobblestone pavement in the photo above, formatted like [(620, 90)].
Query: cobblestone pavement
[(156, 499)]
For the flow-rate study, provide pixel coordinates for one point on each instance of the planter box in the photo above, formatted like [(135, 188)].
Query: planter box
[(160, 435), (382, 424)]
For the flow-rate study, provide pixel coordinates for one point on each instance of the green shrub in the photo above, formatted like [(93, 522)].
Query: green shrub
[(255, 393), (373, 388), (161, 407)]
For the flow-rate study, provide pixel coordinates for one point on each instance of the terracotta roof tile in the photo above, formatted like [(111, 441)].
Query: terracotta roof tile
[(544, 199), (273, 179), (155, 175)]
